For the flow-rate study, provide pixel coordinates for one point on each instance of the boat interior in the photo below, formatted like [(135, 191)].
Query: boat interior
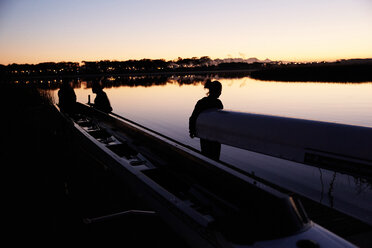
[(225, 200)]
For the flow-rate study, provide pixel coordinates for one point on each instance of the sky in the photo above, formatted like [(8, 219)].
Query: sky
[(34, 31)]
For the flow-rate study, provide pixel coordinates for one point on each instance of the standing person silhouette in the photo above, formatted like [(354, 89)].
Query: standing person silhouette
[(101, 102), (211, 149)]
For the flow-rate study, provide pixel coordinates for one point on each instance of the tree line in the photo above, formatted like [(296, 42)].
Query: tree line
[(123, 67), (352, 70)]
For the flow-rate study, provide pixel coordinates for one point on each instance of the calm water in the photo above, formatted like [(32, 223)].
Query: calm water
[(166, 106)]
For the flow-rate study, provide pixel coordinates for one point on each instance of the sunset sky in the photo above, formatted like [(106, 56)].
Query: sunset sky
[(33, 31)]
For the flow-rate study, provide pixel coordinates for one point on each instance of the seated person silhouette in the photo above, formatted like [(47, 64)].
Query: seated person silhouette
[(67, 97), (211, 149), (101, 102)]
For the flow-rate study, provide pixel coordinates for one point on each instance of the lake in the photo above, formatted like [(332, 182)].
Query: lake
[(164, 104)]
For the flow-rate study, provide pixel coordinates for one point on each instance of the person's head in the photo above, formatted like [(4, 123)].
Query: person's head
[(214, 88), (96, 87)]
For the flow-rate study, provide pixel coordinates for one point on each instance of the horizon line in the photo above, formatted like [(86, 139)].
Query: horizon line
[(260, 60)]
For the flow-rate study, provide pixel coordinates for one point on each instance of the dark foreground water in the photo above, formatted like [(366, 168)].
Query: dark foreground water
[(165, 104)]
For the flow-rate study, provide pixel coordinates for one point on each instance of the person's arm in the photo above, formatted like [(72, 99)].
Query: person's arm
[(192, 119), (221, 105)]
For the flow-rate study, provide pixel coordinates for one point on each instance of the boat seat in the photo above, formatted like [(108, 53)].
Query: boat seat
[(123, 150)]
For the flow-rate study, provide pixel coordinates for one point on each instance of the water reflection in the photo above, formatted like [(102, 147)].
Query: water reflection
[(360, 185), (330, 190), (347, 193), (322, 186), (135, 80)]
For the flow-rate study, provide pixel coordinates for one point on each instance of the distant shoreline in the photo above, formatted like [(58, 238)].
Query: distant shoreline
[(335, 72), (129, 74), (351, 71)]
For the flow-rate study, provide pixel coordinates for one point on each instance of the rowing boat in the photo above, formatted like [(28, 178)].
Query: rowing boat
[(206, 202), (335, 146)]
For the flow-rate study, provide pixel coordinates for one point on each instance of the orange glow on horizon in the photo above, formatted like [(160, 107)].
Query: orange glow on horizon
[(6, 61)]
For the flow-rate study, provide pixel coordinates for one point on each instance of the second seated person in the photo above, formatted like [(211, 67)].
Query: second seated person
[(101, 102)]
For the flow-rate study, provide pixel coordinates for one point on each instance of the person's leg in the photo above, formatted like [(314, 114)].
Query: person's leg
[(210, 149)]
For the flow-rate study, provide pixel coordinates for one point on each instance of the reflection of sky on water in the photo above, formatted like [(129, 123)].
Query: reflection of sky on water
[(167, 107)]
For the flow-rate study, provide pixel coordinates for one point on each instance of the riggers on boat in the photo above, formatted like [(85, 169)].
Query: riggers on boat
[(206, 202)]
